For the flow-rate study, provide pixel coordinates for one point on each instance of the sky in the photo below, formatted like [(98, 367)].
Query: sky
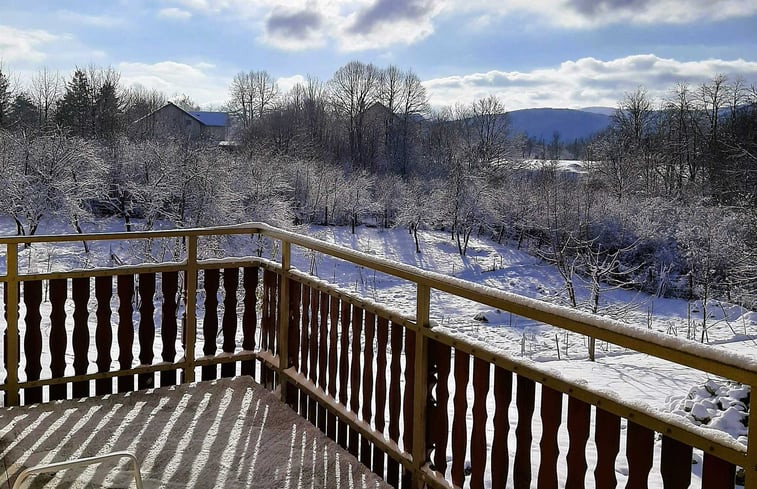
[(529, 53)]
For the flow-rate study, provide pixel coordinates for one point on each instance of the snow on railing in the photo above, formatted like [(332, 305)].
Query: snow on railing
[(416, 404)]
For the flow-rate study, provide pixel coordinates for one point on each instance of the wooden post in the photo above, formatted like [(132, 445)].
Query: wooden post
[(190, 327), (283, 343), (420, 393), (11, 338)]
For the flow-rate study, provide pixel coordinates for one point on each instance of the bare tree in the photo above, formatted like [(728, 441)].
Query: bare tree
[(46, 90)]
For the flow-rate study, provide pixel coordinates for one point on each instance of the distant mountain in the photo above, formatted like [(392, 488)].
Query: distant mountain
[(569, 123), (599, 110)]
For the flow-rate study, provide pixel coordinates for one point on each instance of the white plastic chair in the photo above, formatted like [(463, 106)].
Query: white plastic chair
[(55, 467)]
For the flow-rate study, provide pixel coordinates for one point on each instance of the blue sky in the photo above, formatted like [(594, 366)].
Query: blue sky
[(531, 53)]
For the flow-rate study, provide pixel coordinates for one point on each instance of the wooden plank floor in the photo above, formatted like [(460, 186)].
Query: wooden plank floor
[(223, 434)]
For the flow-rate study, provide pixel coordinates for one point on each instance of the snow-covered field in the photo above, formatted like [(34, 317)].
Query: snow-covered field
[(634, 377)]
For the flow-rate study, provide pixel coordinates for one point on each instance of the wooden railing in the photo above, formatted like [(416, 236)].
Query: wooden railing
[(391, 389)]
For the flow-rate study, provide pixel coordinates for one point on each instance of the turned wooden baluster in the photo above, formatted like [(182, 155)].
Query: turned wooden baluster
[(503, 393), (229, 322), (125, 331), (438, 420), (459, 424), (524, 400), (717, 473), (210, 323), (295, 291), (478, 434), (333, 331), (551, 415), (33, 339), (146, 328), (304, 351), (579, 419), (103, 333), (168, 325), (357, 326), (370, 328), (249, 317), (607, 439), (392, 467), (382, 340), (675, 471), (313, 354), (344, 367), (323, 355), (639, 451)]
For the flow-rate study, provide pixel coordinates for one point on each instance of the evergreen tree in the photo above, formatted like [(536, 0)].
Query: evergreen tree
[(76, 109), (23, 113), (5, 99), (107, 111)]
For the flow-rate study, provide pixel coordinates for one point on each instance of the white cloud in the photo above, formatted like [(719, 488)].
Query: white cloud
[(286, 83), (584, 82), (199, 81), (103, 21), (174, 13), (24, 45)]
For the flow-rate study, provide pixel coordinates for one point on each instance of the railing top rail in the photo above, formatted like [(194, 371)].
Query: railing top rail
[(703, 357)]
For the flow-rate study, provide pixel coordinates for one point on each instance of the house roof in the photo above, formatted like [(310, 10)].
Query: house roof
[(218, 119)]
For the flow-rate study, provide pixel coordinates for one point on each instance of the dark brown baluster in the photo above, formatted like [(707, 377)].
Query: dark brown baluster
[(382, 340), (524, 400), (80, 335), (717, 473), (392, 468), (357, 333), (579, 418), (33, 339), (125, 331), (323, 355), (607, 439), (146, 328), (639, 450), (333, 330), (459, 425), (295, 288), (267, 323), (503, 393), (168, 326), (370, 327), (210, 323), (313, 367), (229, 323), (676, 473), (249, 317), (551, 414), (103, 333), (304, 351), (438, 422), (407, 397), (58, 338), (344, 366), (478, 434)]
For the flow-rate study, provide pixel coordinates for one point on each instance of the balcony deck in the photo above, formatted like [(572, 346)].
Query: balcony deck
[(228, 433)]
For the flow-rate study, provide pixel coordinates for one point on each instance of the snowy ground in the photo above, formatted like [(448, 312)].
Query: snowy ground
[(636, 378)]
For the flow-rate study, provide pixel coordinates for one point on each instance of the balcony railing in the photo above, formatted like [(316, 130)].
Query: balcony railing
[(375, 381)]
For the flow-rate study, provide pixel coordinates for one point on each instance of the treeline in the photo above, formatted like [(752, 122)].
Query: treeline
[(665, 200)]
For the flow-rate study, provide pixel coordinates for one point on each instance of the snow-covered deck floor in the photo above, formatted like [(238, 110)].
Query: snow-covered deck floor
[(228, 433)]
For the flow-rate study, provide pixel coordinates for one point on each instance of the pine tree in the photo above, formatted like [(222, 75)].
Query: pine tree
[(107, 111), (5, 99), (76, 109), (23, 113)]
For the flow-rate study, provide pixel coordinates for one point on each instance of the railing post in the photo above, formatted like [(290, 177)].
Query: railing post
[(420, 392), (11, 339), (283, 343), (750, 467), (190, 327)]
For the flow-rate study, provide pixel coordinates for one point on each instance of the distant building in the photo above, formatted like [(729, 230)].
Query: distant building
[(171, 121)]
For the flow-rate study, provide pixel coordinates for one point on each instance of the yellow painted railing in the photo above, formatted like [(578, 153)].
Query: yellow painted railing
[(372, 379)]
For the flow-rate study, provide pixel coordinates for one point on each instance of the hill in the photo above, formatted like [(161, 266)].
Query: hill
[(569, 123)]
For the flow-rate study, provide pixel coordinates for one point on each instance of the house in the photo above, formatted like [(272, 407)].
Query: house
[(171, 121)]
